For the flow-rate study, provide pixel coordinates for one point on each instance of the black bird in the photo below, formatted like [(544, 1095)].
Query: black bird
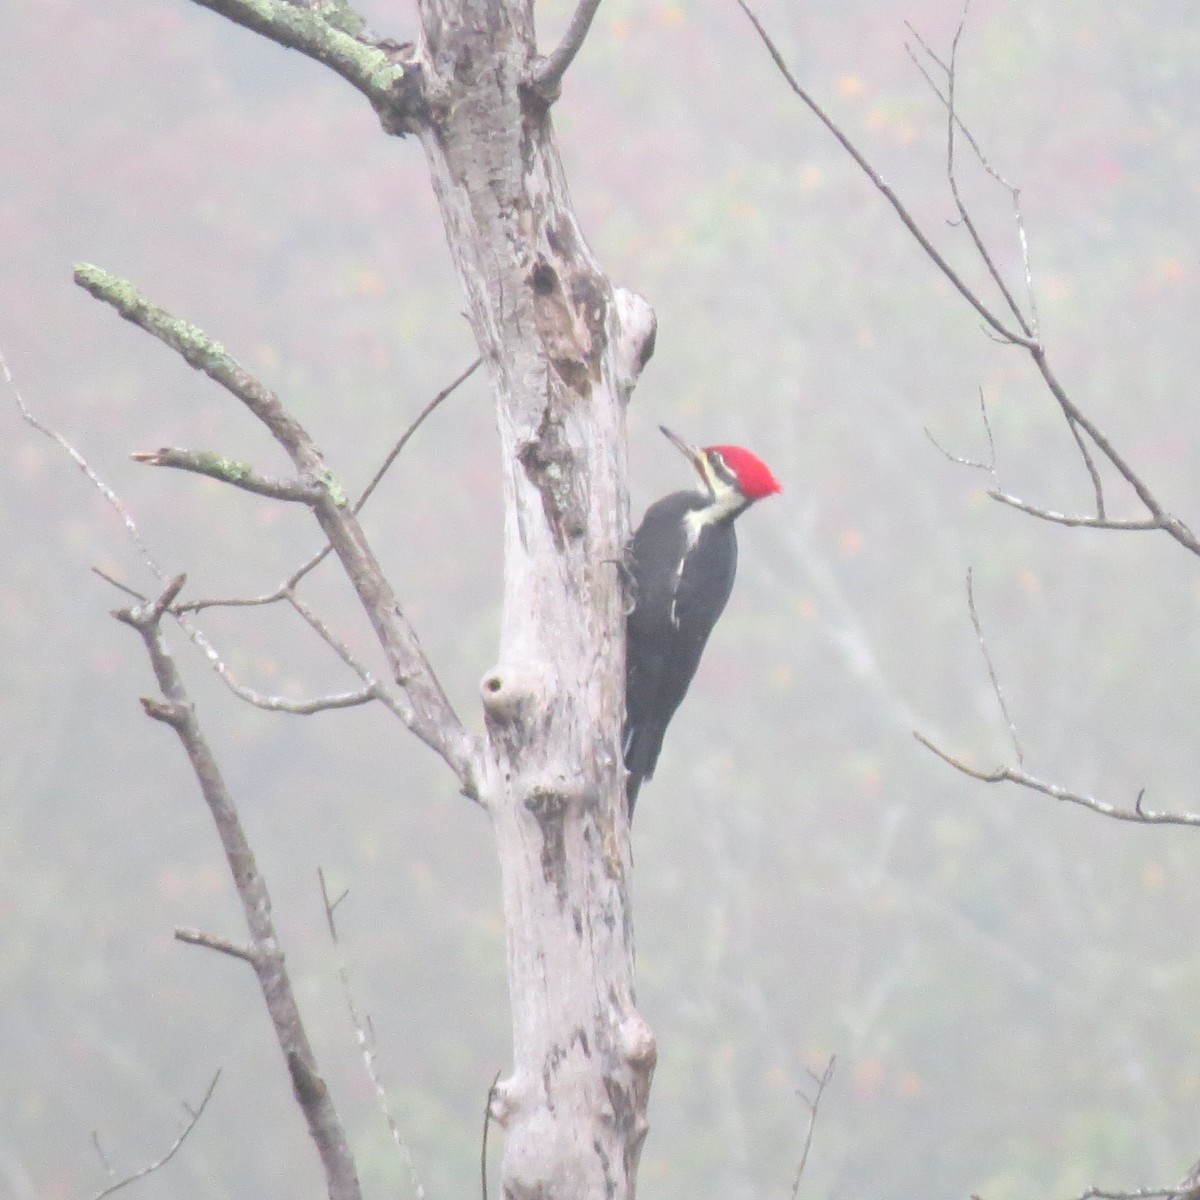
[(682, 562)]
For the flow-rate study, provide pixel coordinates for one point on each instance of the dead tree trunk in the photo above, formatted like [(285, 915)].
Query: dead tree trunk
[(563, 350), (550, 331)]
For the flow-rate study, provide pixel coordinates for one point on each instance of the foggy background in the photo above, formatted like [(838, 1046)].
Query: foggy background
[(1010, 986)]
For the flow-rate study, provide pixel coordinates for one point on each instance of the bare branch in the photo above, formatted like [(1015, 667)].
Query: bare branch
[(950, 70), (197, 937), (280, 704), (193, 1120), (546, 78), (1081, 522), (1005, 332), (1138, 814), (301, 708), (821, 1082), (197, 636), (373, 689), (332, 34), (228, 470), (205, 354), (330, 905), (955, 123), (990, 465), (258, 699), (1171, 525), (322, 630), (1090, 464), (1187, 1189), (121, 587), (406, 436), (1028, 325), (991, 667), (1174, 1193), (264, 953), (366, 1042), (1078, 423), (109, 1170), (107, 492), (968, 222), (424, 707), (287, 588), (1013, 191)]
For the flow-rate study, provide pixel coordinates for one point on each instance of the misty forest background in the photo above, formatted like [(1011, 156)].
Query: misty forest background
[(1011, 986)]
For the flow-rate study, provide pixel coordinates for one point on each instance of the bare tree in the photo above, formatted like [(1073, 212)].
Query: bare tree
[(1008, 313), (562, 349)]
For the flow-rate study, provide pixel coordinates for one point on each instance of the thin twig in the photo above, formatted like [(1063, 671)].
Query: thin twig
[(330, 905), (1138, 814), (195, 634), (366, 1041), (1006, 333), (953, 123), (1013, 191), (1077, 421), (1092, 470), (1028, 326), (406, 436), (991, 667), (990, 465), (193, 1120), (821, 1082), (107, 492), (109, 1169), (980, 245), (1077, 521), (121, 587), (1174, 1193), (289, 584)]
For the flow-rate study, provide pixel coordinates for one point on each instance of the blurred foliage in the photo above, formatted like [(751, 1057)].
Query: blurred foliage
[(1009, 987)]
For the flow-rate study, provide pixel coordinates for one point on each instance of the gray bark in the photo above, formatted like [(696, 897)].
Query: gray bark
[(563, 349), (562, 353)]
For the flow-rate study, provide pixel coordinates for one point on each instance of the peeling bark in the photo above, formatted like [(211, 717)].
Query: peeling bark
[(561, 361), (563, 350)]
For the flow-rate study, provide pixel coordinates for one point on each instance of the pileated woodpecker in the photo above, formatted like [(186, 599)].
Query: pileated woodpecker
[(682, 561)]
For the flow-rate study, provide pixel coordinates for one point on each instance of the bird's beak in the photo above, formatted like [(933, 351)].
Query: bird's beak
[(693, 453)]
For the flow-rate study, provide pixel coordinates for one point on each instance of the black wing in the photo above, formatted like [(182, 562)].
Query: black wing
[(674, 612)]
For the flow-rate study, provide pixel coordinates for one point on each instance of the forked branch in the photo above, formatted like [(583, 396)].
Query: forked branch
[(1085, 432), (1000, 328), (287, 589), (812, 1103), (1138, 813), (424, 707), (174, 707), (194, 1115)]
